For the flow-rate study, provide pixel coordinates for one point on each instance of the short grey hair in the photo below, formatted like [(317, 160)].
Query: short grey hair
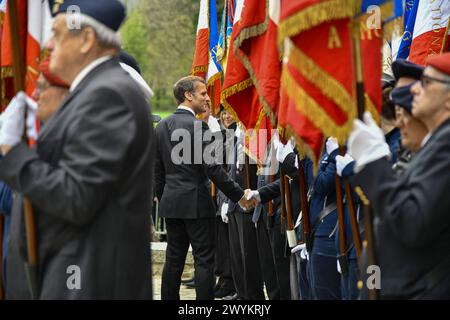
[(185, 84), (106, 36)]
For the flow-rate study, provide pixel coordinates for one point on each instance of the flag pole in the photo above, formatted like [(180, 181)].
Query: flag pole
[(19, 85), (368, 243)]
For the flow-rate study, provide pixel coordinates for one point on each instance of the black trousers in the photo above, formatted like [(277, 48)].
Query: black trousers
[(244, 256), (278, 243), (222, 257), (267, 261), (200, 234)]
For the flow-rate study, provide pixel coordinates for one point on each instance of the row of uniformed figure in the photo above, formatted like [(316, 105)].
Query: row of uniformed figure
[(257, 246)]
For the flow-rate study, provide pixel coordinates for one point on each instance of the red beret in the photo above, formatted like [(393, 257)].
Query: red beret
[(440, 62), (52, 78)]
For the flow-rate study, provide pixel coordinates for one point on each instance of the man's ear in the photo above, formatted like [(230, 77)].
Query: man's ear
[(89, 39), (188, 96)]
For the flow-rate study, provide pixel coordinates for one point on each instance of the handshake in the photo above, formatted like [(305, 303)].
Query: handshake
[(249, 200)]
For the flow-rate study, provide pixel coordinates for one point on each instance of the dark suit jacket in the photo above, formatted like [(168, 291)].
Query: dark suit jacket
[(413, 234), (90, 183), (271, 191), (183, 188)]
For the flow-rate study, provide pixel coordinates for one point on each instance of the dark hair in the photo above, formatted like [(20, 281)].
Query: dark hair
[(186, 84), (388, 107)]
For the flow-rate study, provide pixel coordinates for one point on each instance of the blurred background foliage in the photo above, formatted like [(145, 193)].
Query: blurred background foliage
[(161, 36)]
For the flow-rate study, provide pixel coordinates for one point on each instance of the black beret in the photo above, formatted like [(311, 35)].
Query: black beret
[(403, 97), (110, 13), (128, 59), (404, 68)]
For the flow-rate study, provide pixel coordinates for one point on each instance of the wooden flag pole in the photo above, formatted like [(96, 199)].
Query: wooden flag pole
[(19, 85), (368, 243)]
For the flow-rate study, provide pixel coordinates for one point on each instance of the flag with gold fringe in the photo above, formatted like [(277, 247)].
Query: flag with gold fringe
[(317, 74), (239, 94)]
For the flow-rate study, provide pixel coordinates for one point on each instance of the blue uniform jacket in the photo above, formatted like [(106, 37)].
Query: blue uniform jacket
[(5, 210)]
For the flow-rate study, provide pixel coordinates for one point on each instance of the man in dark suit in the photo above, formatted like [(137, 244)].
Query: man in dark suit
[(414, 205), (90, 178), (183, 188)]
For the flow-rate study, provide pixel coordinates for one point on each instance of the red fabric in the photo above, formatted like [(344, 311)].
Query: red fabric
[(256, 60), (336, 63), (6, 52), (263, 55), (201, 55), (372, 66), (52, 78), (440, 62), (428, 44)]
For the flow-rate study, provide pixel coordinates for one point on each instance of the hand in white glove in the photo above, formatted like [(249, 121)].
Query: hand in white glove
[(224, 212), (254, 194), (13, 121), (331, 145), (367, 142), (283, 150), (342, 162)]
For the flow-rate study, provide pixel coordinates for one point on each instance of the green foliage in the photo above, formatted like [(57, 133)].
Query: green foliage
[(160, 34)]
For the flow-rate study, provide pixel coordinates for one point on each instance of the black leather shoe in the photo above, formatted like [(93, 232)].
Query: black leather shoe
[(190, 285)]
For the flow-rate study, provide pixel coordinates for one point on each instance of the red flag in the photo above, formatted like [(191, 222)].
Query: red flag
[(320, 87), (34, 20), (252, 79), (6, 73), (318, 82), (257, 49)]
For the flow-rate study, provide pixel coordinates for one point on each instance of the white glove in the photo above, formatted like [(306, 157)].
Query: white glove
[(224, 212), (304, 254), (298, 248), (283, 150), (331, 145), (367, 142), (255, 195), (32, 131), (13, 121), (339, 267), (342, 162)]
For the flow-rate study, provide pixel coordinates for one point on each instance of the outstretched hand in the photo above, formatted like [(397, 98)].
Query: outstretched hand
[(247, 201)]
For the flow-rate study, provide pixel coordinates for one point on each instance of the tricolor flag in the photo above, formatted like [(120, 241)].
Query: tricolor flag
[(205, 62), (431, 29)]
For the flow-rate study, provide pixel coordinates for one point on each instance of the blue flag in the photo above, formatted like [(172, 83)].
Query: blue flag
[(410, 21)]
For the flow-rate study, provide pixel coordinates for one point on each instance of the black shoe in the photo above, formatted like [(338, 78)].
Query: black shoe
[(190, 285), (231, 297), (183, 281), (223, 292)]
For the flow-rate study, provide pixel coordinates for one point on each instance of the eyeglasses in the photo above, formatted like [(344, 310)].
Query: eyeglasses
[(426, 80)]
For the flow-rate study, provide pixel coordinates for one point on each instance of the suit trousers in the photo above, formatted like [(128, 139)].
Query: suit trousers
[(267, 261), (200, 234), (244, 256), (222, 258)]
